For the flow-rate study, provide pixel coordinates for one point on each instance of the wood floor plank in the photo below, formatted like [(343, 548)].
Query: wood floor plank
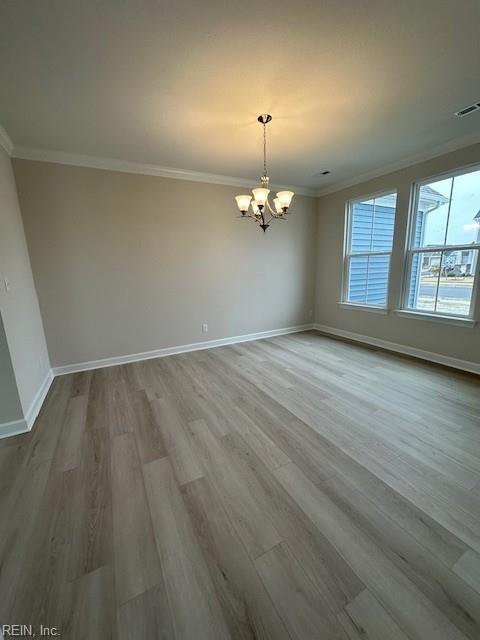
[(68, 451), (248, 610), (177, 441), (326, 569), (81, 383), (120, 415), (271, 454), (429, 532), (91, 607), (147, 432), (468, 568), (195, 609), (137, 566), (10, 460), (92, 506), (97, 401), (254, 526), (410, 608), (433, 497), (146, 617), (38, 594), (24, 503), (366, 618), (431, 576), (300, 605)]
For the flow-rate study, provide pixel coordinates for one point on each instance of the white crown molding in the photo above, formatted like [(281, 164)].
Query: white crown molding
[(447, 361), (447, 147), (111, 164), (5, 141), (170, 351)]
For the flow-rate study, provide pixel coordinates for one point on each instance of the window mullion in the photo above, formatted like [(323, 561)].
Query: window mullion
[(371, 249), (448, 214), (346, 278), (366, 280), (446, 247), (359, 254), (438, 282)]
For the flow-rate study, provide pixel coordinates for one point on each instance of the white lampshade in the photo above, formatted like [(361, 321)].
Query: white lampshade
[(255, 209), (260, 196), (278, 205), (285, 198), (243, 202)]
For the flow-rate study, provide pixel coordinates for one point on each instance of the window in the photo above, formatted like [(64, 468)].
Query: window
[(368, 246), (444, 246)]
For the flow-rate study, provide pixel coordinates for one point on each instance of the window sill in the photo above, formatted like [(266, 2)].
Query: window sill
[(452, 320), (363, 307)]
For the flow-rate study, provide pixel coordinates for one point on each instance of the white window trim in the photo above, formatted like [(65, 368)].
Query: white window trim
[(344, 302), (457, 321), (357, 306), (410, 251)]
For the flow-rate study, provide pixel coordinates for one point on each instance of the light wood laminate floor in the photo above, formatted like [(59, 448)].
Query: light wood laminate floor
[(296, 487)]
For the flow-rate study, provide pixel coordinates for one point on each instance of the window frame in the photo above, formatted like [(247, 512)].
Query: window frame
[(347, 253), (411, 250)]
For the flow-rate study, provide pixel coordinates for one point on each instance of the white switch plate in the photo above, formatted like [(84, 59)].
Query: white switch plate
[(205, 327)]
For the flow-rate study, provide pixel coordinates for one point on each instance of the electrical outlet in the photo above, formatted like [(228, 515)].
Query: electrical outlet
[(205, 327)]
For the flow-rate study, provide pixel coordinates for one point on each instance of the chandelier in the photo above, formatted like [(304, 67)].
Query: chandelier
[(262, 212)]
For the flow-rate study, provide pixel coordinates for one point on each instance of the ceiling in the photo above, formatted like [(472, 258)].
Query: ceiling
[(352, 86)]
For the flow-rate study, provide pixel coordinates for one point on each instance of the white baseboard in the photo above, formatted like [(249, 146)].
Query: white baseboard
[(170, 351), (37, 402), (12, 428), (22, 426), (456, 363)]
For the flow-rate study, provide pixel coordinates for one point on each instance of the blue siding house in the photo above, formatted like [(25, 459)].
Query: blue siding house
[(372, 230), (372, 227)]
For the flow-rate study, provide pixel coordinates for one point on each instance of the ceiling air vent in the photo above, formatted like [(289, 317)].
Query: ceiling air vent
[(466, 110)]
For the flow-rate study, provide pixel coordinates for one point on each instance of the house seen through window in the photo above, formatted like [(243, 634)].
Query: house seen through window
[(370, 226), (444, 245)]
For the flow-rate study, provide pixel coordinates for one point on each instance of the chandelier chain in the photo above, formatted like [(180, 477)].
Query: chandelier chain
[(264, 149)]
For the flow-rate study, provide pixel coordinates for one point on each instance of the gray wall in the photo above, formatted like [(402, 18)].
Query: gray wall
[(19, 306), (128, 263), (10, 408), (457, 342)]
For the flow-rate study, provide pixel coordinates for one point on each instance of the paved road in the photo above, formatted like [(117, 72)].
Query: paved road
[(461, 292)]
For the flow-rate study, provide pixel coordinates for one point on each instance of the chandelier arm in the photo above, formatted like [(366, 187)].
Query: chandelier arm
[(265, 221), (273, 213)]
